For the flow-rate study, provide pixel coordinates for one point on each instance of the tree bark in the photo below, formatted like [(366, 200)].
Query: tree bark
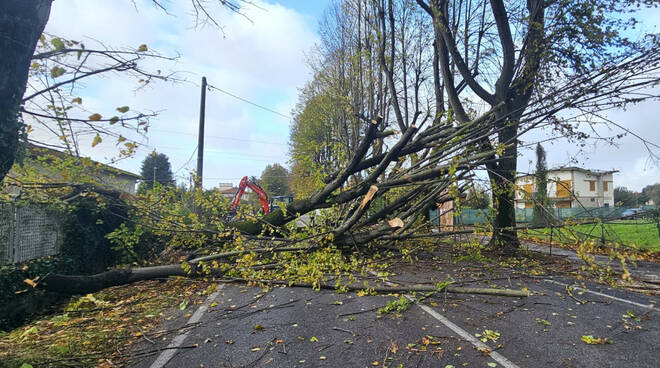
[(21, 24)]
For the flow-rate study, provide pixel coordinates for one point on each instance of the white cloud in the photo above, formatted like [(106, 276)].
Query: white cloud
[(260, 59)]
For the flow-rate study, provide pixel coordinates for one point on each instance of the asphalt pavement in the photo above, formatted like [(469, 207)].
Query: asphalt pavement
[(240, 326)]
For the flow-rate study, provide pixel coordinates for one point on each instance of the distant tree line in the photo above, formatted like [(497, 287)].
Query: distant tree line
[(628, 198)]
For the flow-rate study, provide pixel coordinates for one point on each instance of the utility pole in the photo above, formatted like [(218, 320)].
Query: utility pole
[(153, 185), (200, 137)]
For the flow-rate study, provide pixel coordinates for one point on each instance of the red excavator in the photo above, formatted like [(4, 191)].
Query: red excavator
[(246, 183)]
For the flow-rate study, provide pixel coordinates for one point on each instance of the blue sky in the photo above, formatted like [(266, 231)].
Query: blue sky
[(263, 60)]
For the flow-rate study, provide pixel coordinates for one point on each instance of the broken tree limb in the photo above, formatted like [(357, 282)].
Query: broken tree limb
[(395, 289), (69, 284)]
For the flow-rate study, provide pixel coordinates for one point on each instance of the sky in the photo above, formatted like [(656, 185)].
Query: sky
[(260, 56)]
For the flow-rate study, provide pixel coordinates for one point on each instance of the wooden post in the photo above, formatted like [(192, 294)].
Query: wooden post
[(551, 228)]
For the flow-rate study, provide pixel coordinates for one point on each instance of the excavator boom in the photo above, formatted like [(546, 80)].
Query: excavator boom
[(246, 183)]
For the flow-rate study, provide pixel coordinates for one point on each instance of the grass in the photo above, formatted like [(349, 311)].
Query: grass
[(96, 329), (637, 234)]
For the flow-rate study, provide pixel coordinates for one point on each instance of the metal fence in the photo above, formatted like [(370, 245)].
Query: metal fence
[(28, 232), (523, 215)]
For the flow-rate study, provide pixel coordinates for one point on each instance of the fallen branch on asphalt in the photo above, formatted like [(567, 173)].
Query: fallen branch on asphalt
[(395, 289)]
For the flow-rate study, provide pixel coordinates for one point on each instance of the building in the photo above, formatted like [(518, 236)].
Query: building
[(569, 187), (43, 160), (229, 192)]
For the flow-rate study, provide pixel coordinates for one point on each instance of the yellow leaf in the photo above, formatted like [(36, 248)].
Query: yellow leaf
[(57, 72), (375, 363), (142, 48), (97, 140), (95, 117), (123, 109)]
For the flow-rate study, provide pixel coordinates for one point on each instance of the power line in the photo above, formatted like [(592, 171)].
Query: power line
[(187, 162), (250, 102), (218, 137)]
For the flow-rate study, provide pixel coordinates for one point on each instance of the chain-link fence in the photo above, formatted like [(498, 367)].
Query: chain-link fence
[(28, 232), (525, 215)]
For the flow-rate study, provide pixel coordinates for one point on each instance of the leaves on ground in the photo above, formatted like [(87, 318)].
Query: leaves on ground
[(590, 340), (99, 325)]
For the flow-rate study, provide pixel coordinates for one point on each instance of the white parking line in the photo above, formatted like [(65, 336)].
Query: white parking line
[(647, 306), (506, 363), (466, 335), (168, 354)]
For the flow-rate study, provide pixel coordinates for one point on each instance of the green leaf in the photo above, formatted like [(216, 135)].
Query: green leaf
[(26, 365), (57, 43), (491, 364), (123, 109), (114, 120), (57, 72), (183, 305), (77, 100), (97, 140), (313, 339), (95, 117), (142, 48)]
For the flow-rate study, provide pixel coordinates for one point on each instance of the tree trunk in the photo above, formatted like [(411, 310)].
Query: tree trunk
[(21, 24), (503, 176)]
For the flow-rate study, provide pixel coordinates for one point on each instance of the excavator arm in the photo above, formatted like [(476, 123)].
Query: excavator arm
[(246, 183)]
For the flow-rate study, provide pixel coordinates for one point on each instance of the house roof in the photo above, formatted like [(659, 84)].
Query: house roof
[(37, 151), (229, 191), (575, 168), (588, 171)]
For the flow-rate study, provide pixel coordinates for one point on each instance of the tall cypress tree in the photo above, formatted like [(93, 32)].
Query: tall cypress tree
[(156, 168), (542, 215)]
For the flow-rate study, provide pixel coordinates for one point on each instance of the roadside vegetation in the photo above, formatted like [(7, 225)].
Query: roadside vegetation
[(626, 234), (98, 329)]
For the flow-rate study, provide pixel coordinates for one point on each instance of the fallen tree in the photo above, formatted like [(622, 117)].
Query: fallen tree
[(422, 167), (88, 284), (380, 191)]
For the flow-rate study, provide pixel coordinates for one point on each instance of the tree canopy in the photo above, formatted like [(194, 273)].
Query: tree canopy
[(155, 169), (275, 180)]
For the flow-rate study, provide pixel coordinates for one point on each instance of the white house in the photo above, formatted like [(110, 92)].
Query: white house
[(569, 187)]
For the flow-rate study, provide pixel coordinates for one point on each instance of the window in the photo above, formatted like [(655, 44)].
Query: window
[(563, 188), (605, 186), (592, 185), (593, 199)]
